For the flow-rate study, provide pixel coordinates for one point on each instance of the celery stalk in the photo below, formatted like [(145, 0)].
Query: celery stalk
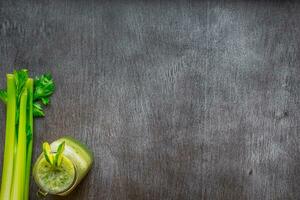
[(25, 98), (20, 165), (8, 161), (29, 86)]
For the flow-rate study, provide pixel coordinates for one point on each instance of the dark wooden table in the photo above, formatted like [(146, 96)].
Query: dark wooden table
[(177, 100)]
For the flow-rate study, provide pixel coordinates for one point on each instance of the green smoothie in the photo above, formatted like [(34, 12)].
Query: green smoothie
[(54, 180), (75, 163)]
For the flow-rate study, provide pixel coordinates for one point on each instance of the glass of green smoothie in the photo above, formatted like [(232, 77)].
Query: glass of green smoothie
[(60, 169)]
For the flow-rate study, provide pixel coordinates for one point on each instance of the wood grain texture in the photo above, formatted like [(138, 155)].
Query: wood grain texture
[(178, 100)]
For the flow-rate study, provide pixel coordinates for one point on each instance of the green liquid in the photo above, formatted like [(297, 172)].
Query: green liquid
[(77, 161), (55, 180)]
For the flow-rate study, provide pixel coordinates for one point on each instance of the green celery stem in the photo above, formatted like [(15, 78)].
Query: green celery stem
[(10, 139), (20, 165), (29, 143)]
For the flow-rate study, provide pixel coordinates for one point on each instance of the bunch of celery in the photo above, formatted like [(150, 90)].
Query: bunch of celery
[(24, 98)]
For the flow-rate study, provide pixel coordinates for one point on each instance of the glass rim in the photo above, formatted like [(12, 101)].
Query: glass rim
[(45, 192)]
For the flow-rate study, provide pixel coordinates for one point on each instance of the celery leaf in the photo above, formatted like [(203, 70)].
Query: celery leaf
[(3, 96)]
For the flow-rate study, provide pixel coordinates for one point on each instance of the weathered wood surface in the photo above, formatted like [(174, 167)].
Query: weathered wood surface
[(177, 100)]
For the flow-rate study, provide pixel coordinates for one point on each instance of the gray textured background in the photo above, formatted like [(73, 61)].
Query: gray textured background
[(178, 100)]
